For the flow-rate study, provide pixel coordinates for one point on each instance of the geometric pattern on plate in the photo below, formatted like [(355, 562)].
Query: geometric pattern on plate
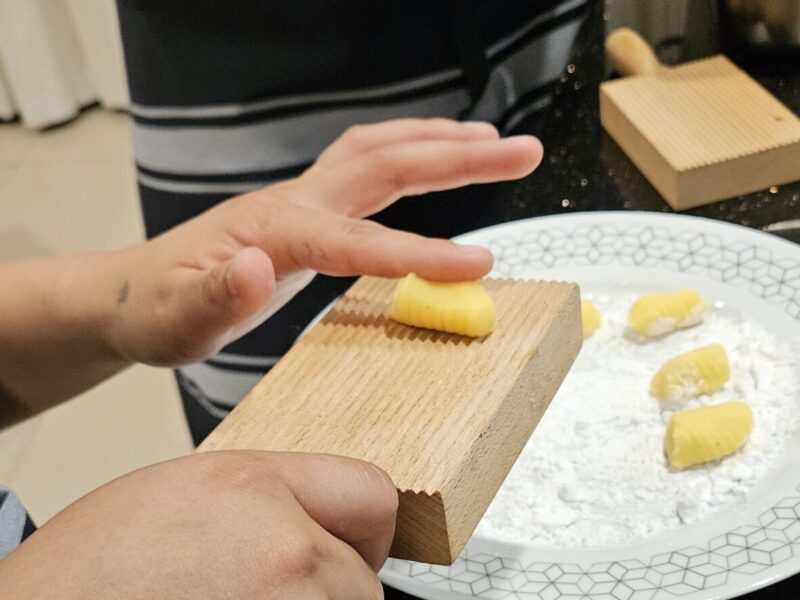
[(739, 263), (748, 549), (772, 540)]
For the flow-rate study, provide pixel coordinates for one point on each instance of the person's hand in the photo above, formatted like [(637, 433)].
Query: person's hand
[(189, 292), (222, 525), (184, 295)]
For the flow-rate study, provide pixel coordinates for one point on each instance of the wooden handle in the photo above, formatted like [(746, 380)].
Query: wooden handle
[(630, 54)]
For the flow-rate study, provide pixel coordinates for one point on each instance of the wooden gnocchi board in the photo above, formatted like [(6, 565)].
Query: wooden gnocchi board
[(700, 132), (445, 416)]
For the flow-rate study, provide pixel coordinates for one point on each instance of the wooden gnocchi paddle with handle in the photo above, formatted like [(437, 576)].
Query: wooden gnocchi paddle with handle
[(700, 132), (444, 415)]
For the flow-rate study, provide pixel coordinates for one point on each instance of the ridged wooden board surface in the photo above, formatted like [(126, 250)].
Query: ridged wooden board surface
[(445, 416), (704, 112)]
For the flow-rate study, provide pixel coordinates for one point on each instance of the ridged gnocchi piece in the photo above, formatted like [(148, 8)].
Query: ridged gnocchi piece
[(692, 373), (656, 314), (590, 317), (698, 435), (464, 307)]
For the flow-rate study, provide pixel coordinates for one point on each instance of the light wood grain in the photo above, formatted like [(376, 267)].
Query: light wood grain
[(702, 131), (444, 415), (630, 54)]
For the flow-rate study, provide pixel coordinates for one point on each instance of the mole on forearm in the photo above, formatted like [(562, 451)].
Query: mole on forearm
[(122, 294)]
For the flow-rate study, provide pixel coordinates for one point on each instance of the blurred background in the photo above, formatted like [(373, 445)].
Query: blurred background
[(68, 184)]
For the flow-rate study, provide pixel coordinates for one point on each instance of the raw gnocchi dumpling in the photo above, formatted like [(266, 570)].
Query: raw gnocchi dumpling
[(692, 373), (698, 435), (590, 317), (464, 307), (656, 314)]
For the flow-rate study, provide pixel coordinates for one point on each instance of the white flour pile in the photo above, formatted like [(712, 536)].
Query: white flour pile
[(594, 472)]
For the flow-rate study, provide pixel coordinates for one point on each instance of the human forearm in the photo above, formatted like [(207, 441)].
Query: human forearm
[(55, 316), (67, 323)]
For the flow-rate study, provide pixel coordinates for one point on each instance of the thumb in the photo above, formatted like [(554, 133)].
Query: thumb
[(353, 500), (230, 294)]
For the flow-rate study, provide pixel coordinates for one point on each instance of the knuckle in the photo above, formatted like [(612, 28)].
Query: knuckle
[(360, 229), (302, 555), (262, 214), (231, 473), (462, 167), (355, 135), (390, 163), (360, 236), (251, 216)]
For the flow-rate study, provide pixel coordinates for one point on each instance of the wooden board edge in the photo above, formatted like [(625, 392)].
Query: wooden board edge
[(639, 150), (421, 529), (741, 175), (216, 440), (513, 424)]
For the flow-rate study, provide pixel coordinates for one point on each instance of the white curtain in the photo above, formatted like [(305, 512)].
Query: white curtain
[(57, 56)]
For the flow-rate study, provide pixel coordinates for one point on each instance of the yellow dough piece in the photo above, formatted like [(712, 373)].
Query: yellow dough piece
[(590, 317), (464, 307), (692, 373), (699, 435), (656, 314)]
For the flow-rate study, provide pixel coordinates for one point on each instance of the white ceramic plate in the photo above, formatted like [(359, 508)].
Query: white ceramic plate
[(723, 557)]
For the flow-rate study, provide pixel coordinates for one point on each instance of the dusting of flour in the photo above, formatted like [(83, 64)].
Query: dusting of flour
[(594, 472)]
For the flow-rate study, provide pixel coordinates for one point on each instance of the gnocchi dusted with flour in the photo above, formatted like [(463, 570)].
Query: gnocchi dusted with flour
[(657, 314), (692, 373), (590, 317), (464, 307), (700, 435)]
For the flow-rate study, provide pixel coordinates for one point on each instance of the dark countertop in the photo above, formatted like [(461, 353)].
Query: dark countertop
[(584, 170)]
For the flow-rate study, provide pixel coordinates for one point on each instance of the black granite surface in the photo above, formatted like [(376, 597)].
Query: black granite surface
[(584, 170)]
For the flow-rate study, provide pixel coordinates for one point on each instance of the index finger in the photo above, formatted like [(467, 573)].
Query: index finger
[(335, 245)]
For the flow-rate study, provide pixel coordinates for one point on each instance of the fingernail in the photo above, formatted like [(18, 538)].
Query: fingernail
[(534, 143), (473, 250), (480, 127)]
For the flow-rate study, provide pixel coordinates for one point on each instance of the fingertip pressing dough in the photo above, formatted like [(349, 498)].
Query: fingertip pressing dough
[(464, 308), (699, 435), (590, 317), (692, 373), (657, 314)]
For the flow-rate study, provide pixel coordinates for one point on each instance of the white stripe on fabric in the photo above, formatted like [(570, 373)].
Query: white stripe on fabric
[(249, 361), (205, 111), (524, 111), (192, 389), (221, 385), (200, 187), (539, 62), (273, 144), (556, 12), (222, 110)]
